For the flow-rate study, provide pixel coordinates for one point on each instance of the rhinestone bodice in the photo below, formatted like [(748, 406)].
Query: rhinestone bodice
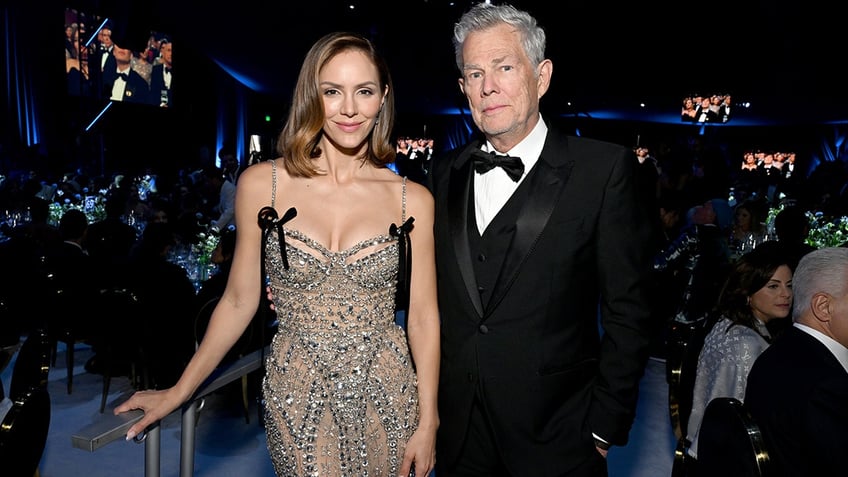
[(339, 387)]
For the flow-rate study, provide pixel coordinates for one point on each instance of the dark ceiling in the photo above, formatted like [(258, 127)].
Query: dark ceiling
[(780, 56)]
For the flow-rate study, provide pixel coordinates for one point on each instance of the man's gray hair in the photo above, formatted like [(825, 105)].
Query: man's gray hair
[(824, 270), (485, 15)]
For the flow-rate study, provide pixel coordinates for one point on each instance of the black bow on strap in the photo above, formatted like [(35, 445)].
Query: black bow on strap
[(268, 220), (486, 161), (404, 262)]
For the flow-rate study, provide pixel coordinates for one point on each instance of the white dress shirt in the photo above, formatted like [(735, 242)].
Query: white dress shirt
[(119, 86), (494, 188), (103, 56)]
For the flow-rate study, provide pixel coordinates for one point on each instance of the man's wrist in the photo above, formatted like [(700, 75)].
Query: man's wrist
[(601, 444)]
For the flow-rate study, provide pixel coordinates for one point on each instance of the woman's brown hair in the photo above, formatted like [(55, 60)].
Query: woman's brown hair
[(298, 141)]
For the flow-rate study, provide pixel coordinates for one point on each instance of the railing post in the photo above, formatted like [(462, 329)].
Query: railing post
[(152, 443), (188, 431)]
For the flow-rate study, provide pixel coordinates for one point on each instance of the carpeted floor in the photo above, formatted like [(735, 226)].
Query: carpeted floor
[(228, 446)]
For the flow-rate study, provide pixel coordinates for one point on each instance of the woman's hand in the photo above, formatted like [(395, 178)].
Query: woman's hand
[(270, 297), (419, 455), (155, 404)]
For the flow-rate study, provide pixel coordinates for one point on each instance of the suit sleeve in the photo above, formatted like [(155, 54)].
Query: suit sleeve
[(624, 262)]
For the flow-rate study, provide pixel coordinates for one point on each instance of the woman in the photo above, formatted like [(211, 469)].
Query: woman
[(342, 393), (757, 291), (749, 226)]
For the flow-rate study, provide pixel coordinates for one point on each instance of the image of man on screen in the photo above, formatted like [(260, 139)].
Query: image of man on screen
[(160, 76), (123, 83)]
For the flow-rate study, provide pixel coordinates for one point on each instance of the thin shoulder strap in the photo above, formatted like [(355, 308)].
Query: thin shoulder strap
[(273, 183), (403, 202), (404, 254), (268, 220)]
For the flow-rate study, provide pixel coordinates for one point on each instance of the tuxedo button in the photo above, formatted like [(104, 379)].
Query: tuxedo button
[(481, 257), (481, 289), (483, 329)]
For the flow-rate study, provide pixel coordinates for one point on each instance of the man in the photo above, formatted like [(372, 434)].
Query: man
[(528, 387), (798, 388), (160, 76), (123, 83), (223, 182), (101, 60)]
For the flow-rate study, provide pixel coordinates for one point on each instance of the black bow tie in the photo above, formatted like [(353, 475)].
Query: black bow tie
[(167, 70), (124, 76), (486, 161)]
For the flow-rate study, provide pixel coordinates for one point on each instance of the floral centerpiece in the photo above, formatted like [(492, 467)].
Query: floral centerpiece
[(824, 231), (202, 251), (827, 232), (94, 208)]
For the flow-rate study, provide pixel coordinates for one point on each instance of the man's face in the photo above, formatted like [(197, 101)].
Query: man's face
[(123, 56), (105, 37), (502, 86), (229, 162), (166, 50)]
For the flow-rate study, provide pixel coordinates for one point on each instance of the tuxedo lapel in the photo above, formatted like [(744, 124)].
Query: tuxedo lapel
[(460, 192), (544, 188)]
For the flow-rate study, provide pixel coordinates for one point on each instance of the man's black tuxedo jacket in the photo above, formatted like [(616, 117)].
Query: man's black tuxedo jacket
[(136, 91), (157, 86), (520, 306), (797, 393)]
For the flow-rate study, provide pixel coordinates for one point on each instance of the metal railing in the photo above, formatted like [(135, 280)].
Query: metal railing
[(109, 427)]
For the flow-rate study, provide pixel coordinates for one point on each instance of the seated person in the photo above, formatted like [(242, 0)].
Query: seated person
[(167, 296), (698, 259), (792, 227), (798, 387), (758, 290)]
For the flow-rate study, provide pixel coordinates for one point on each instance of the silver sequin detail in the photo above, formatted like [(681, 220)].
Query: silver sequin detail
[(339, 387)]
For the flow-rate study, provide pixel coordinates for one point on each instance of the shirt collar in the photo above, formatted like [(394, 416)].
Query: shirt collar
[(530, 148)]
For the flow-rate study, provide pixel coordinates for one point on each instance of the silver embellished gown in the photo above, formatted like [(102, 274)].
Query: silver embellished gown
[(340, 390)]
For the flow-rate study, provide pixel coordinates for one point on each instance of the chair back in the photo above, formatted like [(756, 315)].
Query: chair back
[(32, 365), (122, 337), (685, 341), (23, 433), (120, 322), (730, 443)]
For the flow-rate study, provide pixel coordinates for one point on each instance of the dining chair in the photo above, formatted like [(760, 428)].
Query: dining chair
[(24, 427), (32, 365), (23, 433), (66, 323), (121, 338), (730, 443), (684, 345)]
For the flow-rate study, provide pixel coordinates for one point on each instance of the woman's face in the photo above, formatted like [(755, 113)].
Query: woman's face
[(774, 300), (350, 87), (743, 218)]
